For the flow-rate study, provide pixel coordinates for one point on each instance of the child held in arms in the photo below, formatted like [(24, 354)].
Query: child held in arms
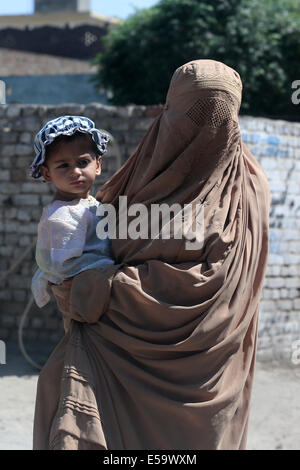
[(69, 151)]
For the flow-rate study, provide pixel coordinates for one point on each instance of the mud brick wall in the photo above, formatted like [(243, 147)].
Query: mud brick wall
[(276, 145)]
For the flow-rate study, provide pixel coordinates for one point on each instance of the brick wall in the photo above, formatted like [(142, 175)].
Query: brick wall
[(276, 145)]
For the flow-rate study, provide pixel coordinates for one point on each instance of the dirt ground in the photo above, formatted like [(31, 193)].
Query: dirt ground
[(275, 410)]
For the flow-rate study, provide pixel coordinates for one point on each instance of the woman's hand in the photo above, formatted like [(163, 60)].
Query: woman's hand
[(85, 297), (62, 294), (67, 282)]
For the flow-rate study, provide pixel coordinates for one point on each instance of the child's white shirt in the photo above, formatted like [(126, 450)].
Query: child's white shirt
[(67, 244)]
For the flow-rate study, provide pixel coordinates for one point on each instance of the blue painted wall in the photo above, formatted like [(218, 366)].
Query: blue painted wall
[(52, 89)]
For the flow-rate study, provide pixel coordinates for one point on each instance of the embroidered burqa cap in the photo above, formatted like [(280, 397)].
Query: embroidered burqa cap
[(161, 349), (64, 125)]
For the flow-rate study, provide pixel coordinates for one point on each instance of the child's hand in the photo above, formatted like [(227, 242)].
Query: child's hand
[(67, 282)]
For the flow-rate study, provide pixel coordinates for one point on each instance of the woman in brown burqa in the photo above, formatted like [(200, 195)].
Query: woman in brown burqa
[(161, 349)]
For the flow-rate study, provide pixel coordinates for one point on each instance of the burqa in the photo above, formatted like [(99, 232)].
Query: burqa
[(161, 348)]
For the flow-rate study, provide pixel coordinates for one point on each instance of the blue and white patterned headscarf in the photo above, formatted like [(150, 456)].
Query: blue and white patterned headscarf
[(64, 125)]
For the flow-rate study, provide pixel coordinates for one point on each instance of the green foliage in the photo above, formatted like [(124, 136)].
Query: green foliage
[(258, 38)]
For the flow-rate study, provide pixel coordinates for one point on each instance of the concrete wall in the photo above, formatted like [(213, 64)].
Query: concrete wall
[(276, 145)]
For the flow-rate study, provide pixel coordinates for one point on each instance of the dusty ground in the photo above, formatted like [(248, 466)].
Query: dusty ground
[(275, 414)]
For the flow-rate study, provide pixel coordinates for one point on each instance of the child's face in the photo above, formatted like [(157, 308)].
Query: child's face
[(72, 168)]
